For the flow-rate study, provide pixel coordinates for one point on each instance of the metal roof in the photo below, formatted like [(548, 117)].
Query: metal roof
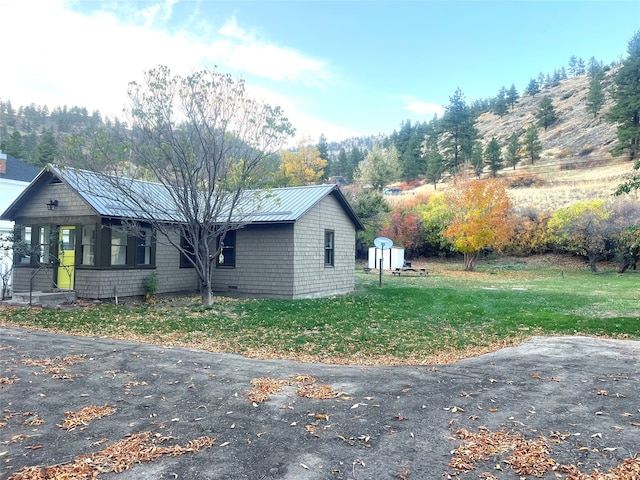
[(104, 193)]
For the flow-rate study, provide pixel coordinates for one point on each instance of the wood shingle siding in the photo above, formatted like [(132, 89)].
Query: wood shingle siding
[(310, 273)]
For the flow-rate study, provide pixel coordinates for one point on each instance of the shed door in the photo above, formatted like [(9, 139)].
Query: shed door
[(67, 257)]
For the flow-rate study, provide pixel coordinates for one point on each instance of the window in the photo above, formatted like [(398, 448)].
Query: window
[(328, 248), (143, 247), (227, 256), (118, 246), (25, 245), (43, 247), (88, 245), (188, 253)]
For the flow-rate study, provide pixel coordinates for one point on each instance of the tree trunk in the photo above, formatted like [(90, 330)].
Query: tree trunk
[(592, 262), (207, 296), (470, 261), (624, 264)]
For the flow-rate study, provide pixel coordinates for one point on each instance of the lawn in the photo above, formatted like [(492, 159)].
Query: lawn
[(444, 316)]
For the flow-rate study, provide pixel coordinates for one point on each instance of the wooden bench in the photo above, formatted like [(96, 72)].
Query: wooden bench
[(410, 271)]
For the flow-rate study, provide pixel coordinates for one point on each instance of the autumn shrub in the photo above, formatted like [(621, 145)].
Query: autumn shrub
[(582, 228), (405, 229), (524, 180), (436, 215), (410, 185), (530, 235), (564, 153), (586, 150)]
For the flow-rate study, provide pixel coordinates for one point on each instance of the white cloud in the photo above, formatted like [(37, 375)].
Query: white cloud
[(88, 60), (158, 12), (419, 107), (305, 125), (242, 51)]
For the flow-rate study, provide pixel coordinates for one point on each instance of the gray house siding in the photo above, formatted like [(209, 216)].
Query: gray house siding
[(264, 263), (287, 260), (101, 283), (72, 209), (70, 204), (311, 277), (40, 279), (96, 283)]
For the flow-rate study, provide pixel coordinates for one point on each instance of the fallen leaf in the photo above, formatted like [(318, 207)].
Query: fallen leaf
[(403, 474)]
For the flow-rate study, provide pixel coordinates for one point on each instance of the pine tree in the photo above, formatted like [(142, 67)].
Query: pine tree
[(14, 146), (512, 95), (493, 156), (343, 162), (532, 88), (513, 150), (458, 124), (47, 150), (435, 161), (573, 65), (541, 80), (546, 113), (500, 107), (532, 143), (323, 149), (626, 96), (354, 158), (595, 96), (477, 159), (595, 69)]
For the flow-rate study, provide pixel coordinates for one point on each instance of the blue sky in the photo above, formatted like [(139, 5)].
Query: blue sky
[(339, 68)]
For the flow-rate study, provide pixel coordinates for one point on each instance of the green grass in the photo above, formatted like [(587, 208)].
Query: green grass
[(446, 315)]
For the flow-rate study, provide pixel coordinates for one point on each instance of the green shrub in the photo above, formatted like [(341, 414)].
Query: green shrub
[(151, 285)]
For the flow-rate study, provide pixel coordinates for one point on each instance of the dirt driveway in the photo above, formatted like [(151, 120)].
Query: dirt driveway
[(552, 407)]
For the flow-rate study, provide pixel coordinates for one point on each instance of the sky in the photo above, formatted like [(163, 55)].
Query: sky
[(338, 68)]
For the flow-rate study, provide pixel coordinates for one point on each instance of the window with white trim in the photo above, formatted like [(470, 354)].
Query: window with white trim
[(118, 246), (329, 248)]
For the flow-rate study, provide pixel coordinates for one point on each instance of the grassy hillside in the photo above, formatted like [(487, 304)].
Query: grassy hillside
[(575, 164)]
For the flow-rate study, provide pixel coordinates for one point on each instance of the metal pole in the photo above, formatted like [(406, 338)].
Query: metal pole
[(381, 269)]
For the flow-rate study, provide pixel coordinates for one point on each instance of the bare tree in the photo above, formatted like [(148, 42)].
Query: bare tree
[(202, 139)]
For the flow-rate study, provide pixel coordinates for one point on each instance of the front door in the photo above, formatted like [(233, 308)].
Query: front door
[(67, 257)]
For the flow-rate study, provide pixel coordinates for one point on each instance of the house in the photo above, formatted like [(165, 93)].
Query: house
[(15, 175), (299, 242)]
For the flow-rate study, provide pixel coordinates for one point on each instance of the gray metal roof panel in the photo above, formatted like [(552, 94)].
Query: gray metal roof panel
[(108, 200), (257, 206)]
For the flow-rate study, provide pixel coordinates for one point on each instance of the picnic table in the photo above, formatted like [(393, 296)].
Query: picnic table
[(410, 271)]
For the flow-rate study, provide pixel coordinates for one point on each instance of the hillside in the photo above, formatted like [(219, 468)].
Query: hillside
[(576, 133), (576, 162)]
